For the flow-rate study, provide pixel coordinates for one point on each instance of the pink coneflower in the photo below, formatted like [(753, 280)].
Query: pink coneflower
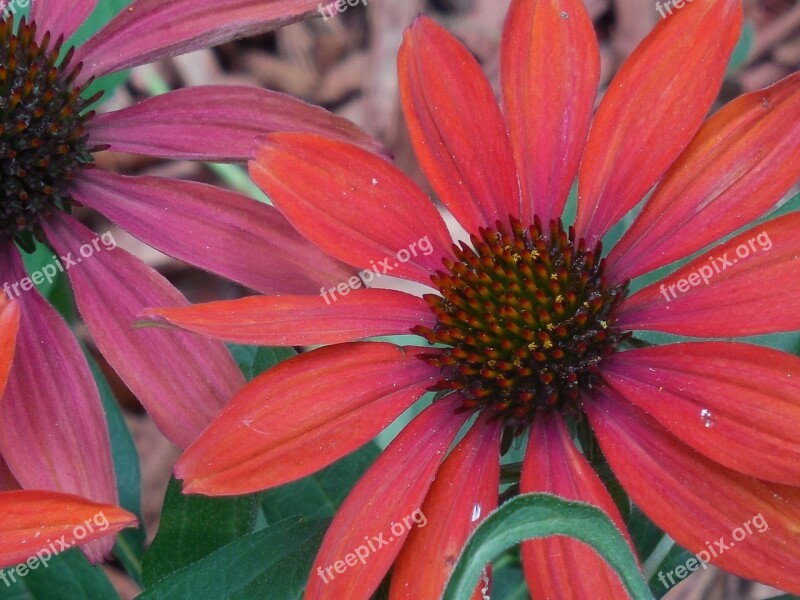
[(54, 434), (529, 327), (33, 519)]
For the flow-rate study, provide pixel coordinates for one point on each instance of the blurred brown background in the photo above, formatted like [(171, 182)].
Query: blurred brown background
[(347, 64)]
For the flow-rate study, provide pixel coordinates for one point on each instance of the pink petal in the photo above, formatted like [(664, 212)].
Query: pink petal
[(303, 320), (216, 123), (456, 127), (737, 404), (742, 161), (182, 380), (652, 109), (345, 200), (464, 492), (550, 73), (320, 406), (54, 434), (220, 231), (59, 17), (554, 465), (389, 495), (746, 286), (698, 502), (152, 29)]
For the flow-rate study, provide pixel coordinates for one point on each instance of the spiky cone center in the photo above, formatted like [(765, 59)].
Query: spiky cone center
[(524, 320), (43, 141)]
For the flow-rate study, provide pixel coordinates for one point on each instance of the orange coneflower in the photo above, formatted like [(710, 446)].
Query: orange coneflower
[(529, 328)]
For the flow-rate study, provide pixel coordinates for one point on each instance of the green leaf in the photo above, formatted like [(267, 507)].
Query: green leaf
[(193, 527), (45, 270), (129, 547), (102, 14), (533, 516), (254, 360), (321, 494), (272, 563), (68, 576), (743, 48), (664, 577)]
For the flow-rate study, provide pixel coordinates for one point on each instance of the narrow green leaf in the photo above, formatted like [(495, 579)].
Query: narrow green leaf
[(534, 516), (254, 360), (102, 14), (321, 494), (68, 576), (743, 48), (44, 270), (193, 527), (272, 563), (129, 547)]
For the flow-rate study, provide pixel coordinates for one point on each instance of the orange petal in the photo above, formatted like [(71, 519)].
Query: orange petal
[(737, 404), (740, 164), (550, 67), (739, 523), (9, 325), (746, 286), (369, 530), (345, 200), (652, 109), (456, 127), (328, 318), (302, 415), (464, 492), (37, 525), (554, 465)]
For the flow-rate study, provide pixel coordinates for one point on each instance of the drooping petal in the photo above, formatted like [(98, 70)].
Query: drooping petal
[(53, 431), (303, 320), (34, 519), (346, 200), (384, 506), (550, 72), (9, 326), (652, 109), (59, 17), (700, 503), (742, 161), (216, 123), (737, 404), (183, 380), (220, 231), (151, 29), (746, 286), (456, 127), (302, 415), (554, 465), (464, 492)]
